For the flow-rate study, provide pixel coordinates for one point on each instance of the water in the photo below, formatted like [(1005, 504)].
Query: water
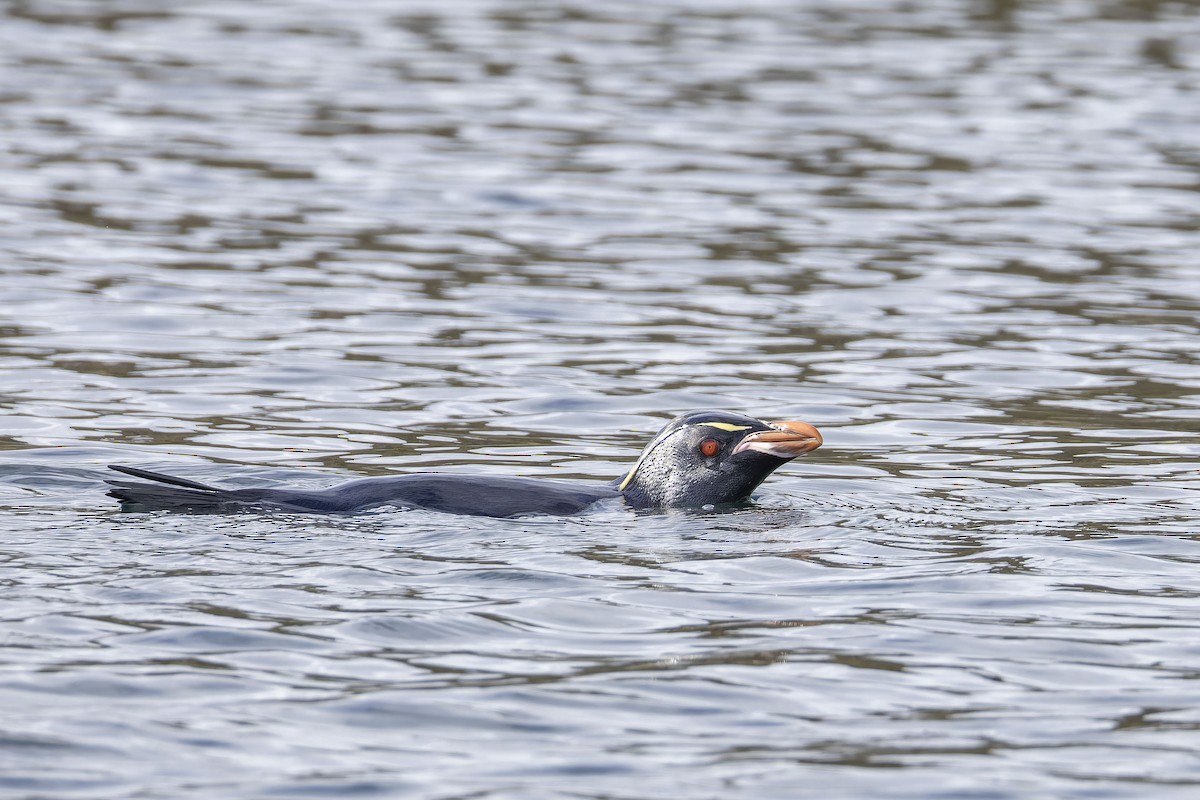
[(283, 242)]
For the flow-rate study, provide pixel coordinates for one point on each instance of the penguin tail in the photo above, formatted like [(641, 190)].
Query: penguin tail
[(166, 493)]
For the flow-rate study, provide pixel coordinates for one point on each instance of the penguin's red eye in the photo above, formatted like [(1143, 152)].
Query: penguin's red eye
[(709, 448)]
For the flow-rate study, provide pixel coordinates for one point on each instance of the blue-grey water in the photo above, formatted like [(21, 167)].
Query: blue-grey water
[(296, 242)]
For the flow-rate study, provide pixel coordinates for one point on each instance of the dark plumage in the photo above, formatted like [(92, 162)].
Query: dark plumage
[(706, 458)]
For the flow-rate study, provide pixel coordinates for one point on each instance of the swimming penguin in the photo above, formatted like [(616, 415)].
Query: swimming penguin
[(705, 458)]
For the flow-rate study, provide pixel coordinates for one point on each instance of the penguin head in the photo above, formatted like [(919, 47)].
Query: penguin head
[(712, 458)]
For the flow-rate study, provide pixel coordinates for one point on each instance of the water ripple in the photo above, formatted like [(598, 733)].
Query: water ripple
[(259, 244)]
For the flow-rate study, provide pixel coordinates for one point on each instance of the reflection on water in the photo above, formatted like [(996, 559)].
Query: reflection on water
[(267, 243)]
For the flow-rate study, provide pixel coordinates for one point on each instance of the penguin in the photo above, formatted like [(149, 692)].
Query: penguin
[(697, 460)]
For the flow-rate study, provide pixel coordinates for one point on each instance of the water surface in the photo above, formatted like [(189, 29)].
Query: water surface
[(284, 243)]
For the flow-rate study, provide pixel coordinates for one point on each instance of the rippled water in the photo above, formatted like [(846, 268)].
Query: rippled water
[(292, 242)]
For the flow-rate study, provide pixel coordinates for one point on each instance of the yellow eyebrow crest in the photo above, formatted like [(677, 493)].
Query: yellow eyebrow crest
[(725, 426), (628, 477)]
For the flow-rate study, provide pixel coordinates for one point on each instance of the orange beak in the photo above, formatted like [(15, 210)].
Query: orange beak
[(790, 438)]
